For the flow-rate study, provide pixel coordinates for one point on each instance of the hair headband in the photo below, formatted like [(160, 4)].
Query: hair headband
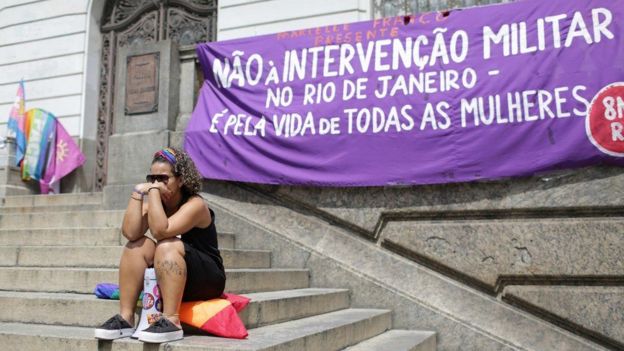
[(168, 154)]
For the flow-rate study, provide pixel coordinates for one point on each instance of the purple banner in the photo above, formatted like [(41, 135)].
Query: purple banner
[(479, 93)]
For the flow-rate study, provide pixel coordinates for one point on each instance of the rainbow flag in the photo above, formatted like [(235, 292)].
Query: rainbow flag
[(16, 125), (40, 127)]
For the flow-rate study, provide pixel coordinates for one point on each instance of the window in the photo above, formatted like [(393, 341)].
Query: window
[(388, 8)]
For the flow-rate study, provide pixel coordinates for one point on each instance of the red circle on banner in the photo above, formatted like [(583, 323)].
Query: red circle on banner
[(605, 121)]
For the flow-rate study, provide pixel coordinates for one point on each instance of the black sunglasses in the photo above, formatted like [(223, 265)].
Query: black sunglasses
[(151, 178)]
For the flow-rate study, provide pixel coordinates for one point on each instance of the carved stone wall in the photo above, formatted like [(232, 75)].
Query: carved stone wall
[(134, 23)]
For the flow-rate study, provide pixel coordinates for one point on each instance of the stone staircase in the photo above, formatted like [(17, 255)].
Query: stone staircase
[(55, 249)]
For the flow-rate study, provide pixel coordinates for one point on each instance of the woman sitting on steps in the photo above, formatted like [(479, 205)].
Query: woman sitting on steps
[(185, 253)]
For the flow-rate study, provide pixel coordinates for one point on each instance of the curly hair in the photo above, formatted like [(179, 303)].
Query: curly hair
[(185, 168)]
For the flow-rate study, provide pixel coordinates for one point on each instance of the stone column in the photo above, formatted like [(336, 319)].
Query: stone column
[(145, 111), (188, 81)]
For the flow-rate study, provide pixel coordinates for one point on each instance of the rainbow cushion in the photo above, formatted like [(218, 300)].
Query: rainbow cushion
[(217, 316)]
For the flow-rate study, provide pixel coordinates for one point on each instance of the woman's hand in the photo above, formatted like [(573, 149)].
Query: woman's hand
[(165, 193), (142, 188)]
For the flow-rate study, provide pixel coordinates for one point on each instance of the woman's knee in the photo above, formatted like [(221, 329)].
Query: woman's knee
[(143, 247), (142, 242), (169, 248)]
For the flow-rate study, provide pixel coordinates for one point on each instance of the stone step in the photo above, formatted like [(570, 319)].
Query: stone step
[(284, 305), (327, 332), (398, 340), (52, 208), (108, 257), (84, 280), (92, 236), (68, 309), (53, 200), (62, 219), (61, 236)]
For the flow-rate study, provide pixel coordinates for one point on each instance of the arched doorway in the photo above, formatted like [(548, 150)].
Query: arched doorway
[(135, 22)]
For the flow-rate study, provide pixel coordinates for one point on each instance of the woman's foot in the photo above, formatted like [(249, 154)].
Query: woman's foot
[(162, 330), (114, 328)]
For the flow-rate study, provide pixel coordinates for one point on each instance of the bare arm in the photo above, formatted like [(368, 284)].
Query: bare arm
[(134, 223), (191, 214)]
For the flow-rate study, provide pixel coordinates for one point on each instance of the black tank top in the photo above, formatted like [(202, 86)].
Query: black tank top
[(205, 240)]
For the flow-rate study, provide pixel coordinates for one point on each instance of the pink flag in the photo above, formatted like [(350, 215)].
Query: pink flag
[(63, 159)]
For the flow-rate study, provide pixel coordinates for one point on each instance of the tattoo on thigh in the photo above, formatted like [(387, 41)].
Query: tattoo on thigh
[(167, 267)]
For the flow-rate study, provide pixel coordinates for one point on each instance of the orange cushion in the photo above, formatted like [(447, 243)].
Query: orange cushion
[(217, 316)]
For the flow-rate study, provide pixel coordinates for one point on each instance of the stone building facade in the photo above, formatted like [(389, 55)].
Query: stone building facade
[(548, 246)]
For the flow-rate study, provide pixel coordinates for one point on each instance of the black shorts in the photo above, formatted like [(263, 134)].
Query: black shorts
[(205, 280)]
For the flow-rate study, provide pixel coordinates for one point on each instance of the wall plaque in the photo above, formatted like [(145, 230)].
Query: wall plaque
[(142, 83)]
